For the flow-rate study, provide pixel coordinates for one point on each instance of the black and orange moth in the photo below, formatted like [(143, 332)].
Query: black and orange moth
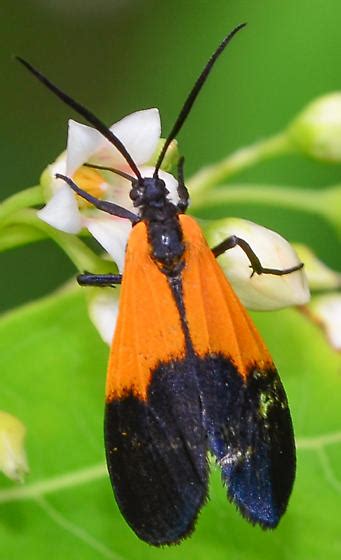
[(188, 372)]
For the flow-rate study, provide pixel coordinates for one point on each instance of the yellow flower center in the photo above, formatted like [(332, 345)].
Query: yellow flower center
[(90, 181)]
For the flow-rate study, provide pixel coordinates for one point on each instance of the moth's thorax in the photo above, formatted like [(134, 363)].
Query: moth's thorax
[(167, 246), (150, 196)]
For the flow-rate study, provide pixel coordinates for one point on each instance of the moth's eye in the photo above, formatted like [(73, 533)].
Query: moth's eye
[(133, 194)]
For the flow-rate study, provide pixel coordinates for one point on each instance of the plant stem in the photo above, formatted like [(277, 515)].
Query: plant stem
[(77, 251), (323, 202), (238, 161), (23, 199), (294, 198), (16, 235)]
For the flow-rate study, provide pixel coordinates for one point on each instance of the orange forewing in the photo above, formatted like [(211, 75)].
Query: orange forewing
[(148, 328), (217, 321)]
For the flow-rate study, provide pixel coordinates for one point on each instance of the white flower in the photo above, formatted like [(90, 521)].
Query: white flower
[(13, 462), (317, 129), (140, 134), (265, 291), (103, 311)]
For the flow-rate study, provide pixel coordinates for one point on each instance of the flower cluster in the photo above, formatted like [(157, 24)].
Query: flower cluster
[(140, 134)]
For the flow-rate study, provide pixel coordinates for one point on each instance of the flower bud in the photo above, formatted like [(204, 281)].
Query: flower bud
[(13, 462), (260, 292), (317, 129), (326, 311), (320, 276)]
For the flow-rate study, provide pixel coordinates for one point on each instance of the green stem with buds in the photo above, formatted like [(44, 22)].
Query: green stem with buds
[(238, 161), (32, 196), (326, 202), (295, 198), (77, 251), (17, 235)]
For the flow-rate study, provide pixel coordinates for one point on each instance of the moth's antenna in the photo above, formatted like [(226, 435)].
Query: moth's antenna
[(85, 113), (193, 95)]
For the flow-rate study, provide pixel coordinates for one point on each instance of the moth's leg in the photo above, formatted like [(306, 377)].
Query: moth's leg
[(99, 280), (108, 207), (182, 189), (255, 263)]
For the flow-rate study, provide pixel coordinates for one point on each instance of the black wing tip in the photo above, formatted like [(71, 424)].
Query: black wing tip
[(175, 540), (158, 469), (150, 535), (184, 533), (267, 522), (267, 519)]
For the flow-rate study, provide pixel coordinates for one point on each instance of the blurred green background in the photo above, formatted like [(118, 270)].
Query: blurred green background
[(122, 55), (118, 56)]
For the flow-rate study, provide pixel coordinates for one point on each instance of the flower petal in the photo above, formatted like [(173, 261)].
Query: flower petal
[(140, 133), (103, 310), (117, 191), (264, 291), (62, 211), (83, 141), (112, 234)]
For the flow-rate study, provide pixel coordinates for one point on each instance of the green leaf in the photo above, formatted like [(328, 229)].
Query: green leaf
[(53, 373)]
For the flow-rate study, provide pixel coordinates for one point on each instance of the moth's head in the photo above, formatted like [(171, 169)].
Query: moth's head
[(148, 191)]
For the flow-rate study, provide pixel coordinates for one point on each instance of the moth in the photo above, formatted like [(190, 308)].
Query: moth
[(188, 373)]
